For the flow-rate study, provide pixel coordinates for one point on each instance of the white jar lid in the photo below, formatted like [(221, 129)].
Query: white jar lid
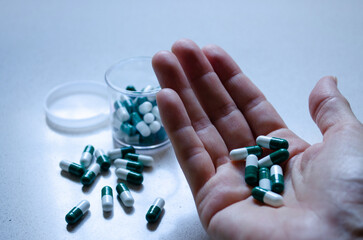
[(77, 106)]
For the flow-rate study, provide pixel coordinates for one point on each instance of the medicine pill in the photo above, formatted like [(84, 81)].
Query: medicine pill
[(102, 159), (77, 212), (147, 161), (242, 153), (87, 156), (72, 168), (130, 88), (128, 128), (155, 210), (251, 170), (130, 176), (274, 158), (156, 113), (268, 197), (121, 111), (149, 118), (140, 125), (127, 103), (155, 126), (272, 142), (130, 165), (89, 177), (145, 107), (107, 198), (120, 152), (277, 179), (264, 178), (125, 194)]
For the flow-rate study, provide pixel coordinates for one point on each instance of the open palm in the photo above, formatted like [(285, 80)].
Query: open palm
[(209, 107)]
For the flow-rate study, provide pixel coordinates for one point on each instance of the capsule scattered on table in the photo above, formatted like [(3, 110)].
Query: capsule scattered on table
[(107, 198), (274, 158), (272, 142), (71, 167), (155, 210), (87, 156), (146, 160), (129, 176), (277, 179), (264, 178), (242, 153), (102, 159), (125, 194), (251, 170), (77, 212), (90, 175), (120, 152), (130, 165), (268, 197)]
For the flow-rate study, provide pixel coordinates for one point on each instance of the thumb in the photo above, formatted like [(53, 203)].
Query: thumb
[(328, 107)]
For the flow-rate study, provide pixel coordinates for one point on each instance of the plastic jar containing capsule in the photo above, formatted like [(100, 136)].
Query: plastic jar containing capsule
[(135, 118)]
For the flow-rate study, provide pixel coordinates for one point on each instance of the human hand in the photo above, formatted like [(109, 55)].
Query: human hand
[(209, 107)]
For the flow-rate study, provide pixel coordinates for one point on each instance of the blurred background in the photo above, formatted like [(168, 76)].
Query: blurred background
[(284, 47)]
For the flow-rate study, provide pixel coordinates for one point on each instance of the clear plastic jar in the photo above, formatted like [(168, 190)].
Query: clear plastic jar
[(132, 89)]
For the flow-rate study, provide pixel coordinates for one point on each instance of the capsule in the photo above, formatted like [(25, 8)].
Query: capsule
[(130, 176), (130, 88), (264, 178), (130, 165), (121, 112), (77, 212), (140, 125), (89, 177), (277, 179), (272, 142), (251, 170), (155, 126), (127, 103), (107, 198), (268, 197), (156, 112), (102, 159), (120, 152), (145, 107), (87, 156), (72, 168), (242, 153), (149, 118), (147, 161), (274, 158), (155, 210), (125, 195), (128, 128)]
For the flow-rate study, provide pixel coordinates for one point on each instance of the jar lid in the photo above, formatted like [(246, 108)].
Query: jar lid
[(77, 106)]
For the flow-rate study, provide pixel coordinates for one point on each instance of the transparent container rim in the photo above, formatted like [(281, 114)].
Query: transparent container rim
[(124, 91)]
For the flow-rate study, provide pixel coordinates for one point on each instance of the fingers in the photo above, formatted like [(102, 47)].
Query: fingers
[(170, 75), (193, 158), (327, 105), (213, 97), (262, 118)]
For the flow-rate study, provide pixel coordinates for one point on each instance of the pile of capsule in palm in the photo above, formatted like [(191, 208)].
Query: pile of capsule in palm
[(129, 167), (265, 175), (136, 118)]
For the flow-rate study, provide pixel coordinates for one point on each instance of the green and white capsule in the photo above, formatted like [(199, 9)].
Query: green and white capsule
[(277, 179), (251, 170), (156, 113), (102, 159), (87, 156), (89, 177), (127, 103), (149, 118), (72, 168), (128, 128), (121, 112), (77, 212), (130, 176), (268, 197), (107, 198), (147, 161), (140, 125), (145, 107), (272, 142), (155, 126), (155, 210), (130, 88), (242, 153), (264, 178), (130, 165), (125, 195), (274, 158), (120, 152)]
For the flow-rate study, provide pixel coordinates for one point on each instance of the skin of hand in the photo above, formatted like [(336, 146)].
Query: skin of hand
[(209, 107)]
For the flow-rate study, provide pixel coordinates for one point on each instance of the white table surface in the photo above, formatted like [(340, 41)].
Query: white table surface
[(283, 47)]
